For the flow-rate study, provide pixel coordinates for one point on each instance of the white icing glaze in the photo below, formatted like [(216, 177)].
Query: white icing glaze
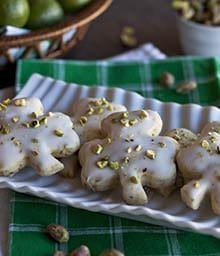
[(131, 142), (200, 163), (38, 146), (91, 129), (183, 136)]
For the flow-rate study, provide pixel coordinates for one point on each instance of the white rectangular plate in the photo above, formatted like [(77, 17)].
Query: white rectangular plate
[(59, 96)]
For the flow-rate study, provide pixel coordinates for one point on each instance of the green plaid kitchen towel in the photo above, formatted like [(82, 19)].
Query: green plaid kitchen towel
[(30, 215)]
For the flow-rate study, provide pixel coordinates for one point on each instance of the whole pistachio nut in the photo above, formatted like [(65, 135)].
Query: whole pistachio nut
[(58, 233), (167, 79), (111, 252), (83, 250)]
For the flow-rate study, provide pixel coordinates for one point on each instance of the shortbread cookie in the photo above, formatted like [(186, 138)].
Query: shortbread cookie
[(183, 136), (131, 152), (27, 137), (200, 164), (88, 114)]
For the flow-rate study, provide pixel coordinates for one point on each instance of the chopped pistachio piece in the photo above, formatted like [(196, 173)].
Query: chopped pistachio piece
[(97, 149), (133, 180), (34, 140), (196, 184), (110, 107), (15, 119), (5, 129), (90, 111), (114, 165), (17, 143), (126, 160), (104, 101), (34, 115), (3, 106), (109, 140), (58, 133), (34, 153), (138, 148), (26, 125), (20, 102), (125, 122), (213, 139), (7, 101), (129, 150), (98, 111), (205, 144), (43, 121), (125, 115), (35, 123), (133, 121), (83, 120), (162, 144), (143, 114), (150, 154), (102, 163)]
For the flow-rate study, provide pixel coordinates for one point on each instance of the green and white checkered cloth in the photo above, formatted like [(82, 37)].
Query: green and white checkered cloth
[(30, 215)]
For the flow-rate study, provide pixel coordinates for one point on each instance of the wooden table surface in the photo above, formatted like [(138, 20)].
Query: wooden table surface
[(153, 21)]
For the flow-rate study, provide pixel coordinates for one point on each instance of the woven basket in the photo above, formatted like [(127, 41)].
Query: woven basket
[(51, 42)]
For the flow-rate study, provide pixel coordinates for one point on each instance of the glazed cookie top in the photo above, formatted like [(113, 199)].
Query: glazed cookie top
[(88, 114), (131, 152), (32, 138), (183, 136)]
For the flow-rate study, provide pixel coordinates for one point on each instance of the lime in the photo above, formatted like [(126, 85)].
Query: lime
[(71, 6), (44, 13), (14, 12)]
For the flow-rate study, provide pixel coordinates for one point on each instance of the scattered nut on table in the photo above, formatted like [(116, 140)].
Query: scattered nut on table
[(83, 250), (167, 79), (186, 87), (127, 36), (111, 252), (58, 233)]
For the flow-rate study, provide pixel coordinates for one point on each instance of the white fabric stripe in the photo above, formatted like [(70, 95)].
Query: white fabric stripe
[(119, 243), (37, 200), (94, 230), (12, 220), (59, 70), (63, 221), (174, 244), (167, 237), (103, 73), (145, 77), (100, 231)]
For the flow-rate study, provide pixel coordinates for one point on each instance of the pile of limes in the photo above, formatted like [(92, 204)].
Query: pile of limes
[(35, 14)]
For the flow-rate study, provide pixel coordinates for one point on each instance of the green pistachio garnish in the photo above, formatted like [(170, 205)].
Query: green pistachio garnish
[(83, 120), (15, 119), (104, 101), (34, 115), (17, 143), (162, 144), (99, 110), (196, 184), (102, 164), (27, 125), (34, 153), (125, 122), (205, 144), (133, 180), (143, 114), (90, 111), (110, 107), (20, 102), (138, 148), (97, 149), (129, 150), (150, 154), (114, 165), (126, 160), (43, 121), (5, 129), (3, 106), (35, 123), (109, 140), (34, 140), (125, 115), (133, 121), (7, 101), (58, 133)]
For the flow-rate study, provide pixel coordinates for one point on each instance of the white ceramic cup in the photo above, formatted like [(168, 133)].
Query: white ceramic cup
[(198, 39)]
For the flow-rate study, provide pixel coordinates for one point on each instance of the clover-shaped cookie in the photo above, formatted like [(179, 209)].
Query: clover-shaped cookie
[(27, 137), (132, 153), (200, 166), (88, 114)]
